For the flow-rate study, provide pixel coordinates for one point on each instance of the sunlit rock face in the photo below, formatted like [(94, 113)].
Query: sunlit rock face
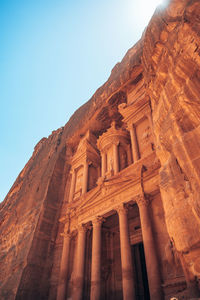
[(108, 206), (171, 59)]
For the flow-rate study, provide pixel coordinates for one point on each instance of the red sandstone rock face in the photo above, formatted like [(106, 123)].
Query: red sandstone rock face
[(30, 211), (30, 246), (172, 60)]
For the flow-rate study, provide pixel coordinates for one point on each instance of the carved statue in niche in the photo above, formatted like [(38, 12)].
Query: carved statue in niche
[(110, 168), (123, 161), (79, 180), (110, 163), (145, 137), (92, 177)]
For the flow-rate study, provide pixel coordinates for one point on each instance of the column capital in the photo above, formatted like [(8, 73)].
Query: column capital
[(66, 234), (142, 200), (122, 209), (130, 126), (87, 161), (72, 171), (103, 151), (115, 142), (82, 227), (98, 221)]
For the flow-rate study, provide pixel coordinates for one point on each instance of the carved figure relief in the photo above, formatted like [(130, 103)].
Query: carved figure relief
[(123, 160), (110, 166), (79, 180), (92, 177), (144, 136)]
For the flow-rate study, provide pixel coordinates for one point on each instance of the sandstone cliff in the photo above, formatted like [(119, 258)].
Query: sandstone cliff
[(170, 57), (31, 210)]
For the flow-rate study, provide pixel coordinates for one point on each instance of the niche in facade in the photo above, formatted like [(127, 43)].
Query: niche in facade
[(85, 167), (114, 146)]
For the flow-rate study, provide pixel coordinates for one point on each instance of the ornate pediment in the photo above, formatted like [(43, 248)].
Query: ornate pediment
[(86, 151)]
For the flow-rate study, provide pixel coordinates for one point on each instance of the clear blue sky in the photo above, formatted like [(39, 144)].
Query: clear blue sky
[(53, 57)]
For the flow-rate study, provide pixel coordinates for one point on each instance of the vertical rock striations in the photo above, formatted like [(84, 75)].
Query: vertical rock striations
[(171, 58)]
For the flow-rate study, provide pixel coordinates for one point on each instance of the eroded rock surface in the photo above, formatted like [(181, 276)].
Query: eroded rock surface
[(135, 143)]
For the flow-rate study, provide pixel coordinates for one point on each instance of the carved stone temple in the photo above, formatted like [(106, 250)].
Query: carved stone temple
[(108, 207)]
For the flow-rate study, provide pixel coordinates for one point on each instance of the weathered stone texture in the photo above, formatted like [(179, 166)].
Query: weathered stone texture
[(172, 74), (134, 144)]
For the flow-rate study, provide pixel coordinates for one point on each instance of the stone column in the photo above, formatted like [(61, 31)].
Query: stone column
[(85, 177), (103, 164), (126, 258), (64, 266), (116, 158), (72, 188), (134, 143), (96, 260), (152, 264), (79, 264)]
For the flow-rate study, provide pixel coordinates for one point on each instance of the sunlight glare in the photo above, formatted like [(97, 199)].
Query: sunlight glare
[(146, 8)]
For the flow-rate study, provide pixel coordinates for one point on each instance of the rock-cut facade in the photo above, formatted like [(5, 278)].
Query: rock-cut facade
[(108, 207)]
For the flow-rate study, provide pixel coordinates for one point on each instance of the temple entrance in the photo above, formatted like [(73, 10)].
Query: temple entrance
[(111, 281), (140, 272)]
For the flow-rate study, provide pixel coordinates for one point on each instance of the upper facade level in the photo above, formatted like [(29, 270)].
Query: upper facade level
[(100, 157)]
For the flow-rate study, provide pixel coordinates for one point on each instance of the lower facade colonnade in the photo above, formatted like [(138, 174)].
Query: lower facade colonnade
[(125, 282), (79, 264), (154, 277), (126, 259), (62, 286), (96, 260)]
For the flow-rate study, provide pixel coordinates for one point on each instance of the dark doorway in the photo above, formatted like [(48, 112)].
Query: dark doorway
[(140, 272)]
